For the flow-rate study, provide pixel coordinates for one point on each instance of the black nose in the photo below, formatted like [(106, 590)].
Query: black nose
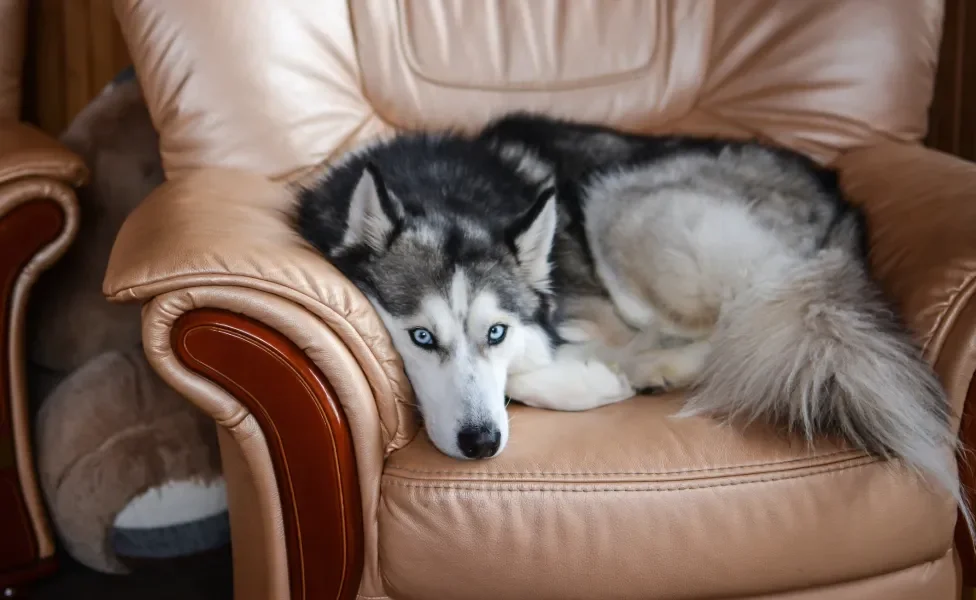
[(479, 441)]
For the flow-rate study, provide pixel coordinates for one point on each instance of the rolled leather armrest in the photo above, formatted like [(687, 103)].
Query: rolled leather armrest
[(921, 211), (231, 230), (250, 323), (28, 152)]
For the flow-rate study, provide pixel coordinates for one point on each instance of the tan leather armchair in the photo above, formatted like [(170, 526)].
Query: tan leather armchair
[(334, 493), (38, 220)]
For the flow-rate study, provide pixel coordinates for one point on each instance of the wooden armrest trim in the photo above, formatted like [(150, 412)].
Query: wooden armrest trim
[(308, 437), (24, 231)]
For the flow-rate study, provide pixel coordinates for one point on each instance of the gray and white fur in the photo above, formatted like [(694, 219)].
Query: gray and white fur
[(614, 264)]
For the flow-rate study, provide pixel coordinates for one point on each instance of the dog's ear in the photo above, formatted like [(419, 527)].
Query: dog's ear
[(375, 214), (531, 237)]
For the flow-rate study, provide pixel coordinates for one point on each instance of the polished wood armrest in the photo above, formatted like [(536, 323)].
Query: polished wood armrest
[(28, 226), (308, 437)]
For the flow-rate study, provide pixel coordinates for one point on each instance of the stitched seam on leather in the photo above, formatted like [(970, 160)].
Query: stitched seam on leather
[(851, 453), (643, 487)]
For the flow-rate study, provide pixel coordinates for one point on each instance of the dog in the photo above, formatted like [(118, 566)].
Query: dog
[(569, 266)]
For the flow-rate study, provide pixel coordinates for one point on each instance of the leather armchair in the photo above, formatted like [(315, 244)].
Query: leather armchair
[(334, 491), (38, 220)]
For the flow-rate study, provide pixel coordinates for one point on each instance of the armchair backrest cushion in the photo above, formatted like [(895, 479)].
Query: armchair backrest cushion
[(281, 86)]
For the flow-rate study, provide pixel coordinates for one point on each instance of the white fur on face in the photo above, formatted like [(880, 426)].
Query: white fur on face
[(464, 383)]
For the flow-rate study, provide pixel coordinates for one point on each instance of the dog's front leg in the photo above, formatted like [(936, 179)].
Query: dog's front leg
[(569, 383)]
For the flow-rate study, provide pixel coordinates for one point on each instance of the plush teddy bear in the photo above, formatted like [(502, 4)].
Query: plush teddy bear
[(129, 469)]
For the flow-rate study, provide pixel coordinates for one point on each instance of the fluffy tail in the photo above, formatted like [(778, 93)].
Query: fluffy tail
[(817, 349)]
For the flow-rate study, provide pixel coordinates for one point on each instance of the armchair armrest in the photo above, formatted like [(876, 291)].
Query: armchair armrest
[(38, 221), (246, 320), (232, 228), (28, 152), (921, 208)]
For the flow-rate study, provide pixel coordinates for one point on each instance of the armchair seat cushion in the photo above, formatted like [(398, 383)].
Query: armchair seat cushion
[(626, 501)]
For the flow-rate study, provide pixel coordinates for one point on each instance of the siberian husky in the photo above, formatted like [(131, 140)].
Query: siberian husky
[(569, 266)]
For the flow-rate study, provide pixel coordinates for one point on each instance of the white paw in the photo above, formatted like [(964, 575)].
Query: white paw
[(661, 371), (608, 382), (577, 332), (570, 385)]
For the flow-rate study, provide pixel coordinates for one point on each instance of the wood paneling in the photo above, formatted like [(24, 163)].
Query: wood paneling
[(75, 47), (952, 118)]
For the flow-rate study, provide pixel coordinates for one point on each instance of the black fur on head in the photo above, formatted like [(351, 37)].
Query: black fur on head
[(398, 219)]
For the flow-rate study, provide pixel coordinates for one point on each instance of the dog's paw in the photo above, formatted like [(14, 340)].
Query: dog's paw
[(570, 385), (608, 381), (662, 371), (577, 332)]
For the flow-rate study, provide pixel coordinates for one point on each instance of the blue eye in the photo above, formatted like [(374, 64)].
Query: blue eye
[(422, 337), (496, 334)]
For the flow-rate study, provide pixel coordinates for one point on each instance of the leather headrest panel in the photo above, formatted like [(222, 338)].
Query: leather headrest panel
[(277, 87)]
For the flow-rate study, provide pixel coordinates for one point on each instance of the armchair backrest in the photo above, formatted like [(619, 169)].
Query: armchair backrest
[(281, 86), (13, 42)]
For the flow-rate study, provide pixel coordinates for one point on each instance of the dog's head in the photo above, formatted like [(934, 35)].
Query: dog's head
[(460, 295)]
